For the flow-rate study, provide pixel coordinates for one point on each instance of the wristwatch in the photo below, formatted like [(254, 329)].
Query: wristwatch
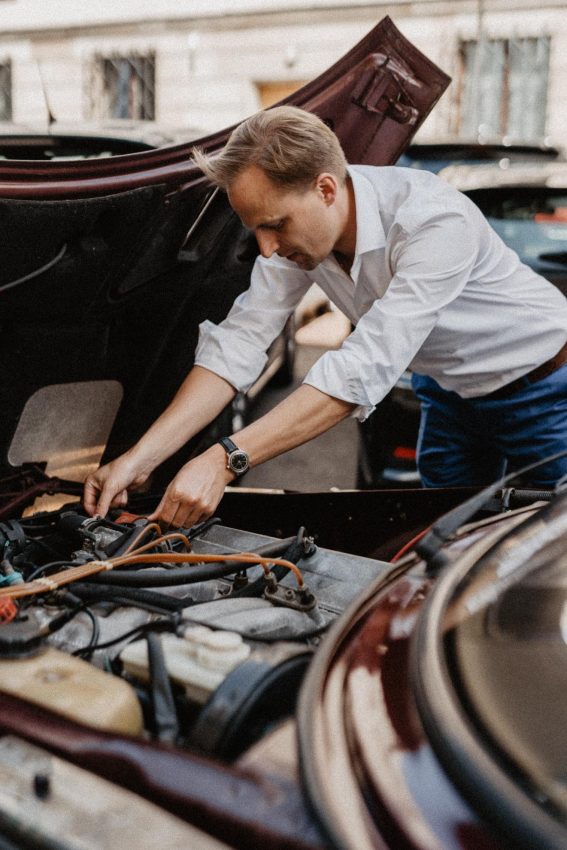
[(236, 459)]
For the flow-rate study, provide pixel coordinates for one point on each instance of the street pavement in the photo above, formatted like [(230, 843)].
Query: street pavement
[(326, 462)]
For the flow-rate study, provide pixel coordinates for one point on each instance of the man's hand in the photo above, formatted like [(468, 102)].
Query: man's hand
[(196, 490), (200, 398), (108, 486)]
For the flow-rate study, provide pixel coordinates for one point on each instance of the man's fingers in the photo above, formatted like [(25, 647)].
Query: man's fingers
[(120, 500), (108, 498), (186, 516), (176, 514), (169, 516), (90, 497), (159, 516), (97, 500)]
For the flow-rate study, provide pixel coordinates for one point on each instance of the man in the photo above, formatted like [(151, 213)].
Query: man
[(426, 282)]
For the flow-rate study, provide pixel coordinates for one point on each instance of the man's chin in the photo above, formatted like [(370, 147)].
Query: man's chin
[(306, 264)]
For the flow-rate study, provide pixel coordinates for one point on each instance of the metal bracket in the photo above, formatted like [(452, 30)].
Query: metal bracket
[(380, 91), (300, 599)]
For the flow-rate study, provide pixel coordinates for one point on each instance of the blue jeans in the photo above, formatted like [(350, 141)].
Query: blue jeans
[(474, 441)]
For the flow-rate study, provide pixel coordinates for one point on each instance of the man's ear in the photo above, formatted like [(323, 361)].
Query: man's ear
[(327, 186)]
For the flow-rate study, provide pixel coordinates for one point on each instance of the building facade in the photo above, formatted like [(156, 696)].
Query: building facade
[(201, 65)]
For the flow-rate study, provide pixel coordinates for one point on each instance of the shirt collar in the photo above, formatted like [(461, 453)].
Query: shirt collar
[(370, 234)]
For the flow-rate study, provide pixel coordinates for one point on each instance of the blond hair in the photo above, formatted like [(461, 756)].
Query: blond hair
[(290, 145)]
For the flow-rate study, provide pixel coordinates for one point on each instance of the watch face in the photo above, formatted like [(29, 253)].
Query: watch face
[(238, 461)]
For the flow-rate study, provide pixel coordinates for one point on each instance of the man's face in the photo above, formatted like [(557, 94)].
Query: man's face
[(300, 225)]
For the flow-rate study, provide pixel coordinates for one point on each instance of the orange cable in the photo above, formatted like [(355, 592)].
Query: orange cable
[(174, 535), (409, 545), (197, 558), (45, 584), (152, 526)]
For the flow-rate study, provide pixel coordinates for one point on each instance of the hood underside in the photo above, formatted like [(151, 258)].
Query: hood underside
[(108, 266)]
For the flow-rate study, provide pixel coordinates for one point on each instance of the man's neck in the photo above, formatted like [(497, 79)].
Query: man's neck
[(344, 260), (345, 246)]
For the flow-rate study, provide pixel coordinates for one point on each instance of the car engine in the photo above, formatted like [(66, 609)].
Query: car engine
[(198, 637)]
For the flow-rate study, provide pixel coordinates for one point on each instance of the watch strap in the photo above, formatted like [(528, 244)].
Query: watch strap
[(236, 459), (228, 445)]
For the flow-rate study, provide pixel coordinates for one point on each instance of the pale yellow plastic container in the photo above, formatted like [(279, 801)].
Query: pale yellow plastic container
[(74, 688)]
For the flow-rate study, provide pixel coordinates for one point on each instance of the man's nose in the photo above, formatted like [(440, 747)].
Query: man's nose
[(267, 243)]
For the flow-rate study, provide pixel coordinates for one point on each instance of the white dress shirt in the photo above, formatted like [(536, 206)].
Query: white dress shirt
[(432, 288)]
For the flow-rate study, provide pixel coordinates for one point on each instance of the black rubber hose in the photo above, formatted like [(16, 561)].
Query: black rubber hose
[(168, 624), (136, 596), (117, 547), (163, 702), (39, 571), (95, 633), (201, 528), (167, 578), (187, 575)]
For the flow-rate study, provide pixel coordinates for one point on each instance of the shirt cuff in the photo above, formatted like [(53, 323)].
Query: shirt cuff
[(331, 375)]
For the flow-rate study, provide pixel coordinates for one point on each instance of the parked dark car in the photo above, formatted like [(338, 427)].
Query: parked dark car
[(434, 156), (63, 142), (527, 206)]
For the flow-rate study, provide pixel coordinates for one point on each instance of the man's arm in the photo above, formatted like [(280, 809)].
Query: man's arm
[(196, 490), (255, 319), (201, 397)]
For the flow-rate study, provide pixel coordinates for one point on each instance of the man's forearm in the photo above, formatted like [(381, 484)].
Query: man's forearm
[(303, 415), (200, 398), (197, 488)]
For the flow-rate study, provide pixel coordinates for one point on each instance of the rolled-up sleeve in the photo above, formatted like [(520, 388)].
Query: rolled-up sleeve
[(430, 268), (236, 348)]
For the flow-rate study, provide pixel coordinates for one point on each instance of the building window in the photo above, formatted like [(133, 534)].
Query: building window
[(502, 88), (5, 91), (123, 87)]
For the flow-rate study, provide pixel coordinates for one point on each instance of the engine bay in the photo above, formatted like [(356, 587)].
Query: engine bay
[(196, 637)]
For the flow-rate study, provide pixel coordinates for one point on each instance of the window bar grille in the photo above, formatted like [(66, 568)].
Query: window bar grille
[(123, 87), (6, 91)]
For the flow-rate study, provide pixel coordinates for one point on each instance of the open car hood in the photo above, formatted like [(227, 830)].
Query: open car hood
[(108, 266)]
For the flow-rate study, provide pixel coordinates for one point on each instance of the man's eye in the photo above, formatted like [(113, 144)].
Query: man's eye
[(277, 225)]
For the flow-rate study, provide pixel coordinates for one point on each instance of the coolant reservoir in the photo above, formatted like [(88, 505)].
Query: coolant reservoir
[(73, 688), (199, 661)]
